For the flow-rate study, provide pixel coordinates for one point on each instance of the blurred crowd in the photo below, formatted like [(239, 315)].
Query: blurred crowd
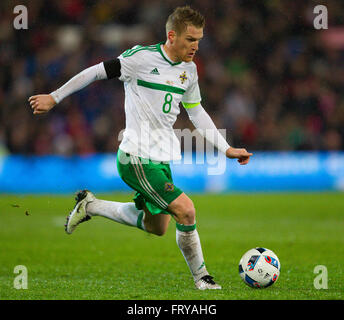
[(267, 76)]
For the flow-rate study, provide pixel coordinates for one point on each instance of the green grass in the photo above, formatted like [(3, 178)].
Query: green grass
[(106, 260)]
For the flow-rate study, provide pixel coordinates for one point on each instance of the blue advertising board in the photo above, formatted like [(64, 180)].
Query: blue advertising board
[(267, 171)]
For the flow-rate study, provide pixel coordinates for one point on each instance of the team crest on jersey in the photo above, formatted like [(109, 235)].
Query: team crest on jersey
[(169, 186), (183, 77)]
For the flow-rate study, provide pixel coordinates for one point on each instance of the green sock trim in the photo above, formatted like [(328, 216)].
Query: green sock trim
[(183, 227), (202, 265), (139, 220)]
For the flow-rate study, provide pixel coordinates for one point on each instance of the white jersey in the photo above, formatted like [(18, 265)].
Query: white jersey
[(154, 87)]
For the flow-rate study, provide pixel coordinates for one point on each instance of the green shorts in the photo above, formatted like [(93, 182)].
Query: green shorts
[(151, 180)]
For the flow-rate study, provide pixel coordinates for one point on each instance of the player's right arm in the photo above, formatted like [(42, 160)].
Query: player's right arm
[(42, 103)]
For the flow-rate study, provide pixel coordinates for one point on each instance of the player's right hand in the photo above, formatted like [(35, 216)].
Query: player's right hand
[(41, 103), (239, 153)]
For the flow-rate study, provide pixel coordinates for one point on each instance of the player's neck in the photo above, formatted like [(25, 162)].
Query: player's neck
[(169, 52)]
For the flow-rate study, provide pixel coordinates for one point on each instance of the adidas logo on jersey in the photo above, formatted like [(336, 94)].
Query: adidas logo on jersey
[(155, 71)]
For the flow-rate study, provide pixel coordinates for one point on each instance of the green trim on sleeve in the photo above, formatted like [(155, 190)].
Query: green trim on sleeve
[(187, 105)]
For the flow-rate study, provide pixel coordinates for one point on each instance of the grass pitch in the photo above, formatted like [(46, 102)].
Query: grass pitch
[(106, 260)]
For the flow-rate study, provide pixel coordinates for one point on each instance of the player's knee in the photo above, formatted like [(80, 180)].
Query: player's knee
[(183, 210), (187, 214)]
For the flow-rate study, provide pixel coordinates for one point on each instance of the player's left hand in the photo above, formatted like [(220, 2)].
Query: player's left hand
[(239, 153)]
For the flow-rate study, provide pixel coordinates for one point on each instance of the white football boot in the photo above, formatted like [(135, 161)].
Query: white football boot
[(79, 214), (207, 282)]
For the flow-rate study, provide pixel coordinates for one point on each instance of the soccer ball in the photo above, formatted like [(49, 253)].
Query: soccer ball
[(259, 268)]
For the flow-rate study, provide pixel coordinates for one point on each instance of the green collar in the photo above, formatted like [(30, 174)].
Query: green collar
[(162, 54)]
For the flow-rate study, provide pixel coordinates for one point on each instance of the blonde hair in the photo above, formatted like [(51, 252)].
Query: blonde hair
[(182, 17)]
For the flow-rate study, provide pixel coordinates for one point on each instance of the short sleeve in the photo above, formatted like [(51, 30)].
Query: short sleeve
[(192, 93), (129, 64)]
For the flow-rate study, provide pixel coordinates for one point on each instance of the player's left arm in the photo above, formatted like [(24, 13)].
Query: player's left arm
[(205, 125)]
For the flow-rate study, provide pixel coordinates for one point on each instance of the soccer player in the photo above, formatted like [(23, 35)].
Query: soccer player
[(157, 78)]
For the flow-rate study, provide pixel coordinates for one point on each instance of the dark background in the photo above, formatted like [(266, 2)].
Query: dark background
[(266, 74)]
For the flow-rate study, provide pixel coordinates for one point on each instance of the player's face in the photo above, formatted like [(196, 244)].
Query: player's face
[(186, 44)]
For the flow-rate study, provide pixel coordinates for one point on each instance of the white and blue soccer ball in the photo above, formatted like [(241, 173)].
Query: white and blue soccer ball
[(259, 268)]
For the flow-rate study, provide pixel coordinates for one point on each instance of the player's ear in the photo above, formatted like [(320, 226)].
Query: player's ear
[(171, 36)]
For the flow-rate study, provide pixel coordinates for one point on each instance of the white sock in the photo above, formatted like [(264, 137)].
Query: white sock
[(190, 246), (125, 213)]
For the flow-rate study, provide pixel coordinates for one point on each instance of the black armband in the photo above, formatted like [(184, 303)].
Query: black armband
[(112, 68)]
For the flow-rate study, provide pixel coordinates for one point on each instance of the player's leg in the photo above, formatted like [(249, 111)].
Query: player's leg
[(121, 212), (157, 223), (188, 241), (87, 206), (133, 214), (161, 196), (128, 214)]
